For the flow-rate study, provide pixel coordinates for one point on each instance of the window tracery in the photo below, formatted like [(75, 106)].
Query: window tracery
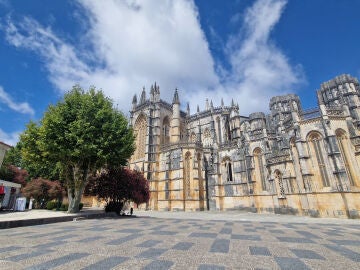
[(140, 132), (317, 148), (343, 146), (187, 169)]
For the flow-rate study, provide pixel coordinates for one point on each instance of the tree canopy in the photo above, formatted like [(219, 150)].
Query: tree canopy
[(81, 134), (43, 190), (119, 185)]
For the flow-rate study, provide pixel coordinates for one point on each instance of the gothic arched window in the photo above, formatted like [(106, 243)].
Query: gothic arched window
[(278, 178), (296, 161), (207, 141), (187, 170), (140, 131), (317, 149), (218, 128), (165, 131), (227, 172), (259, 165), (345, 153)]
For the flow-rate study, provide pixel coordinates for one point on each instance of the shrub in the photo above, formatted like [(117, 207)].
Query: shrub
[(114, 207), (51, 205), (65, 206)]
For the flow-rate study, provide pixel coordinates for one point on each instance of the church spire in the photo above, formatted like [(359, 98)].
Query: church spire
[(176, 97), (143, 96)]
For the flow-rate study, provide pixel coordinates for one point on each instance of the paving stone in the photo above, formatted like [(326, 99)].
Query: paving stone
[(210, 267), (123, 239), (151, 253), (27, 255), (226, 230), (246, 237), (220, 245), (307, 254), (226, 244), (89, 239), (50, 244), (183, 246), (129, 231), (98, 229), (249, 230), (288, 225), (164, 233), (290, 263), (259, 251), (6, 249), (352, 255), (294, 240), (58, 261), (205, 235), (107, 263), (159, 265), (346, 242), (44, 234), (149, 243), (158, 227), (333, 233), (308, 234), (276, 231), (67, 236)]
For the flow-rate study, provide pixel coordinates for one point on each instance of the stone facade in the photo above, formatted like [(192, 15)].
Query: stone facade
[(288, 161)]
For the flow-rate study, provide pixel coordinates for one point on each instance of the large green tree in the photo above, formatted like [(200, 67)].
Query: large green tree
[(80, 134)]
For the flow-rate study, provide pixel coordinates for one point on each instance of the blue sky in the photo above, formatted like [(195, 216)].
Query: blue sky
[(248, 50)]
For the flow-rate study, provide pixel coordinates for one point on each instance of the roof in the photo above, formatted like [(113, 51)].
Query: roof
[(9, 184), (6, 145)]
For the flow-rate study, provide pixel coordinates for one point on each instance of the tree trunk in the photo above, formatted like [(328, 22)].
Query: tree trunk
[(74, 200)]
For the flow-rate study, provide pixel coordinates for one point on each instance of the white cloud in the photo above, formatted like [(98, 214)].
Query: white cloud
[(134, 43), (259, 70), (22, 107), (9, 138)]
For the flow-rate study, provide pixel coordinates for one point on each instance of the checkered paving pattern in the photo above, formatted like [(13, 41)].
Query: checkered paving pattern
[(156, 243)]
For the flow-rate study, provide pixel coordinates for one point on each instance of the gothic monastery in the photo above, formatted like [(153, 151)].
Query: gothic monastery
[(297, 161)]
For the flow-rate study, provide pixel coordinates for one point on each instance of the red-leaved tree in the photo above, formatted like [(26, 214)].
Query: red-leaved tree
[(119, 185), (18, 175), (43, 190)]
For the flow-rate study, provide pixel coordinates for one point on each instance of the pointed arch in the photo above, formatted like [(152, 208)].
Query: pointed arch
[(316, 148), (279, 180), (345, 151), (296, 162), (140, 130), (165, 134), (227, 169)]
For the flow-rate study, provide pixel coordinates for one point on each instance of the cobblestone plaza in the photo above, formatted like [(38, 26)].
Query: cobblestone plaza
[(205, 240)]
